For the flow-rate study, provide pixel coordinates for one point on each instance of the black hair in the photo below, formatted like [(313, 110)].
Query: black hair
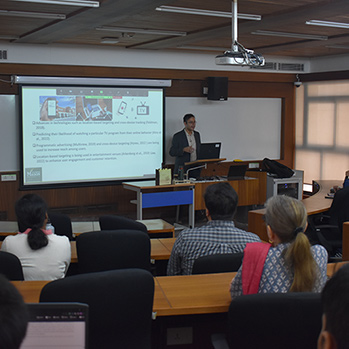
[(186, 117), (14, 316), (335, 302), (221, 200), (31, 212)]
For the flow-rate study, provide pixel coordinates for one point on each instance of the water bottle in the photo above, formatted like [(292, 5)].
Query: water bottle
[(49, 226), (180, 173)]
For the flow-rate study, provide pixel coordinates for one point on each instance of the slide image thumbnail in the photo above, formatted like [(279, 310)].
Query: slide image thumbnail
[(58, 108), (96, 109)]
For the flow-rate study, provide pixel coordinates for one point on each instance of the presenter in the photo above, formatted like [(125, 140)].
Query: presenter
[(186, 143)]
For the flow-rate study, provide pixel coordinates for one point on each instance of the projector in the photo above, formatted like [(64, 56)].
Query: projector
[(248, 58)]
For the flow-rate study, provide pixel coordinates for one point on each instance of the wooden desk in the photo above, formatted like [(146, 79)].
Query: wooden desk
[(160, 249), (195, 294), (30, 291), (156, 226), (316, 203), (175, 295)]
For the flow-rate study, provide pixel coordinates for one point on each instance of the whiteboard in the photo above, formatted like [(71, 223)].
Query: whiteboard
[(9, 144), (248, 128)]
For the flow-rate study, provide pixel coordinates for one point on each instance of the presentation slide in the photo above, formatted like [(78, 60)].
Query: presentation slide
[(90, 134)]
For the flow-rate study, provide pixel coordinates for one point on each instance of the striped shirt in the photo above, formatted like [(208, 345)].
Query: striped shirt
[(215, 237)]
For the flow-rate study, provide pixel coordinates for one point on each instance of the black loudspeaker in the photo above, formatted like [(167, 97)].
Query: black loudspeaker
[(217, 88)]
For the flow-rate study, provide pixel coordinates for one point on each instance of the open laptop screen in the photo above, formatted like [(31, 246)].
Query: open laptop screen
[(56, 325), (209, 151)]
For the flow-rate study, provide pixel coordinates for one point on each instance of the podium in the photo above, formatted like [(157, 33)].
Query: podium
[(201, 163)]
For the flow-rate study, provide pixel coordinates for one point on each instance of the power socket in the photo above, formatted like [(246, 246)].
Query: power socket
[(179, 335)]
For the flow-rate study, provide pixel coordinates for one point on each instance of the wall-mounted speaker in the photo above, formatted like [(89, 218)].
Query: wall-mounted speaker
[(217, 88)]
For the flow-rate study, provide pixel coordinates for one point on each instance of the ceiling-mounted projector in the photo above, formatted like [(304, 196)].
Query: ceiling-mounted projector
[(238, 55), (240, 58)]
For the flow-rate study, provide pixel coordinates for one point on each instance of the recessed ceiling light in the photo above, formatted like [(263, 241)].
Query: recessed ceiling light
[(194, 11), (142, 31), (290, 35), (32, 14), (328, 24), (109, 40), (80, 3)]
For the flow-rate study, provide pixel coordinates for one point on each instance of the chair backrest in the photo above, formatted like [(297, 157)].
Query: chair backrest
[(113, 222), (339, 210), (218, 263), (11, 266), (113, 249), (62, 224), (275, 320), (120, 305)]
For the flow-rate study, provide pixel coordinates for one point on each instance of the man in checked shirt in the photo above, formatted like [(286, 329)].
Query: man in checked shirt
[(219, 235)]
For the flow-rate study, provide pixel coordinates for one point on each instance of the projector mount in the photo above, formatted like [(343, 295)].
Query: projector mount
[(238, 55)]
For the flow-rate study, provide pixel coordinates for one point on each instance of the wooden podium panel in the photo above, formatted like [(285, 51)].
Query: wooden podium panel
[(247, 190)]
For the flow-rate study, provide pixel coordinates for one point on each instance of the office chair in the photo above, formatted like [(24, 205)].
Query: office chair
[(11, 266), (327, 229), (218, 263), (274, 321), (62, 224), (113, 249), (113, 222), (120, 305)]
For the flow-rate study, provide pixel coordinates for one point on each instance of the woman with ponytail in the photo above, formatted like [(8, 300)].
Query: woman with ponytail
[(43, 255), (288, 263)]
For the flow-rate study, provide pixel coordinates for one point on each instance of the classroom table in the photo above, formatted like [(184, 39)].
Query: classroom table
[(160, 249), (314, 204), (151, 195), (176, 295)]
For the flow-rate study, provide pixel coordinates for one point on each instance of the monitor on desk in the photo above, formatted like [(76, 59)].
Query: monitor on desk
[(56, 325)]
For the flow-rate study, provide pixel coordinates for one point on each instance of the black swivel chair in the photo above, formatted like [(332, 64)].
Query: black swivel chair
[(62, 224), (120, 305), (327, 229), (218, 263), (274, 321), (113, 249), (11, 266), (113, 222)]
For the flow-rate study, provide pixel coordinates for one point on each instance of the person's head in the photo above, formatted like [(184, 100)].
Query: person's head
[(335, 319), (286, 220), (285, 217), (31, 212), (221, 201), (189, 122), (13, 316)]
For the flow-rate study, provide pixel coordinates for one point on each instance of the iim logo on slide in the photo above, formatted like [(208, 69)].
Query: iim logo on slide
[(33, 174)]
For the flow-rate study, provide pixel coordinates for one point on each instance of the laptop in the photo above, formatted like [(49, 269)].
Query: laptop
[(56, 325), (209, 151), (236, 172)]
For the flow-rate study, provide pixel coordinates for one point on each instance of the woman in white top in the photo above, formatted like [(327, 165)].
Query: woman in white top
[(43, 255)]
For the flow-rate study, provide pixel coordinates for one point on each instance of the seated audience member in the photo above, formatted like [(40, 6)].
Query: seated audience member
[(43, 255), (218, 236), (335, 320), (288, 263), (13, 316)]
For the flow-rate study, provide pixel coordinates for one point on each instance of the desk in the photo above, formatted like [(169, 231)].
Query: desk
[(160, 249), (175, 295), (156, 226), (151, 195), (316, 203)]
